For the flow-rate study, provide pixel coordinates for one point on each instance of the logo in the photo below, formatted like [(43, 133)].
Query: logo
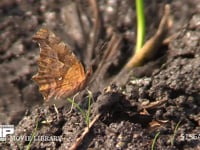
[(6, 130), (7, 133)]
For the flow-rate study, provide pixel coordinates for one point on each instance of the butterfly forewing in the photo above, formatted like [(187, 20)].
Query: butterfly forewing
[(60, 73)]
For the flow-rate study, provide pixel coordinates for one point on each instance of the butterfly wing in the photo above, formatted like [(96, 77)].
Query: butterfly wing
[(59, 71)]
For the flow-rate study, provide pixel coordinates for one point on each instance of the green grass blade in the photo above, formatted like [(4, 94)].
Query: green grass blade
[(175, 131), (154, 141), (32, 136), (77, 106), (87, 119)]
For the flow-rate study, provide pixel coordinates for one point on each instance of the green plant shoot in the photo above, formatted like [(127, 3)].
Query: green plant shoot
[(140, 25)]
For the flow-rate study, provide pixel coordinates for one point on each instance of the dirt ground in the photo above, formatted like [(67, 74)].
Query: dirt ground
[(169, 85)]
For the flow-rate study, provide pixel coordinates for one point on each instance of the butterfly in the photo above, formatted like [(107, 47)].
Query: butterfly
[(60, 73)]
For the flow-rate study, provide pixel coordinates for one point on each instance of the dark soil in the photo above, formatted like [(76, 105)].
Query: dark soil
[(125, 122)]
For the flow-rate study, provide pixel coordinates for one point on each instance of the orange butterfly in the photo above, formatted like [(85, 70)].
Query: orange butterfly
[(60, 73)]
